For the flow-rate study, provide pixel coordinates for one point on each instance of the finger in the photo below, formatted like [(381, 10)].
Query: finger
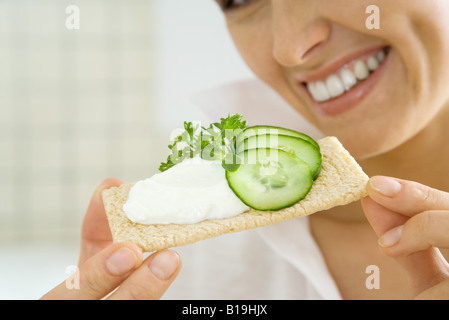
[(95, 232), (414, 245), (406, 197), (420, 232), (152, 279), (424, 268), (101, 274), (381, 218)]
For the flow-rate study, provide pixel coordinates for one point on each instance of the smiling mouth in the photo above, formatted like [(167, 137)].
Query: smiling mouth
[(346, 78)]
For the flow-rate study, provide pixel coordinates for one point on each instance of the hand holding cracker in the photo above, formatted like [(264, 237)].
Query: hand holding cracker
[(114, 271)]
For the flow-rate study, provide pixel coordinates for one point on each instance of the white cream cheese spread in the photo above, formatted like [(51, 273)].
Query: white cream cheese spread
[(191, 191)]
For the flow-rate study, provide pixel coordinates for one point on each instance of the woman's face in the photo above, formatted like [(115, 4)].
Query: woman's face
[(372, 88)]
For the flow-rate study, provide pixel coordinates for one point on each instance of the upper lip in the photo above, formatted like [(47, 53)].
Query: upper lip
[(330, 68)]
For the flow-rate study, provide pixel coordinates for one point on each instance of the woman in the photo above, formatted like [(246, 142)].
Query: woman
[(383, 93)]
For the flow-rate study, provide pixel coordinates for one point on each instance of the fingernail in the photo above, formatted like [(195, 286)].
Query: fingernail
[(121, 262), (386, 186), (163, 264), (391, 237)]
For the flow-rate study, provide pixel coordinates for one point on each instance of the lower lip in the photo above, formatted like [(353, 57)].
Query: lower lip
[(352, 98)]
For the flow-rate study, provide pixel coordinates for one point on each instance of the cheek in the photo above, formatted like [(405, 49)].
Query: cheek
[(255, 47)]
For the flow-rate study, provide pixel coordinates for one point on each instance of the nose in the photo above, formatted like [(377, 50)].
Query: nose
[(298, 31)]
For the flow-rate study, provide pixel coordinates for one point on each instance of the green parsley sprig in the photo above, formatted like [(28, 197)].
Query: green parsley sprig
[(216, 142)]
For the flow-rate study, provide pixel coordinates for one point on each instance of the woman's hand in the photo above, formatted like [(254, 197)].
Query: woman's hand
[(412, 222), (105, 267)]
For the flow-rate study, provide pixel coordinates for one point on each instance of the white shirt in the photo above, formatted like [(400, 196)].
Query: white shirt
[(280, 261)]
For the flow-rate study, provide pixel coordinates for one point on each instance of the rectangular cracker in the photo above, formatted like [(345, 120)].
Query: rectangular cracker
[(340, 182)]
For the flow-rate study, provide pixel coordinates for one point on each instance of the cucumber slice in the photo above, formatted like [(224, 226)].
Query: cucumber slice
[(270, 179), (299, 147), (256, 130)]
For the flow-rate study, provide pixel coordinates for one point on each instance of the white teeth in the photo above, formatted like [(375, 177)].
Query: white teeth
[(311, 88), (336, 84), (349, 79), (381, 56), (361, 70), (321, 92), (372, 64)]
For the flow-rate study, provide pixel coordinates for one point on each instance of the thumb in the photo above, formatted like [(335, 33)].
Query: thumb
[(100, 274), (95, 232)]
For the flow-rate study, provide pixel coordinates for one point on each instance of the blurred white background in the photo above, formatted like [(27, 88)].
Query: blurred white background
[(78, 106)]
